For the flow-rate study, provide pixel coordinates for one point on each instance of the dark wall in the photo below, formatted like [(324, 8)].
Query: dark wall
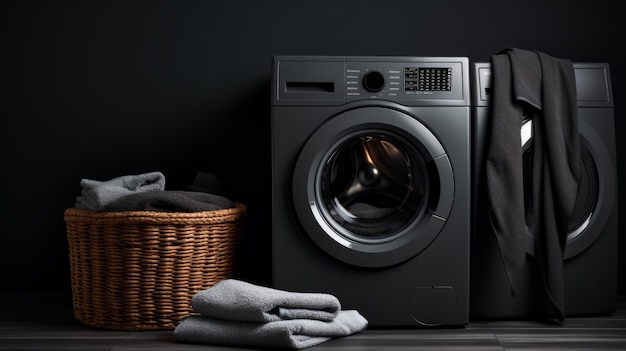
[(98, 89)]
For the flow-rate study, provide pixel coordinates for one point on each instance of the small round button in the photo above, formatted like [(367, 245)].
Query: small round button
[(373, 81)]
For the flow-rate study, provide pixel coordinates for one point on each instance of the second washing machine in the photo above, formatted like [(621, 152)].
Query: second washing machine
[(590, 257), (371, 184)]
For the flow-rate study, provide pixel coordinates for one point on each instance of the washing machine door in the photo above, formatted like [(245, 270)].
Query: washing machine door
[(373, 187), (596, 190)]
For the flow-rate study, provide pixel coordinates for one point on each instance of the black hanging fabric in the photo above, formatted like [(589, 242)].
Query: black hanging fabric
[(531, 84)]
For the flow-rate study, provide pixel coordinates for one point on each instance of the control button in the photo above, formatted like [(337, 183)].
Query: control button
[(373, 81)]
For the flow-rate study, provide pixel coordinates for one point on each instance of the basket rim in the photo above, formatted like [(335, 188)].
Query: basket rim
[(74, 214)]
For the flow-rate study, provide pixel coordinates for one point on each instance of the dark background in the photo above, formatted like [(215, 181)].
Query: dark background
[(99, 89)]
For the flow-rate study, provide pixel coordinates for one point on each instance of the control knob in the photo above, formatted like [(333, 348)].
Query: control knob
[(373, 81)]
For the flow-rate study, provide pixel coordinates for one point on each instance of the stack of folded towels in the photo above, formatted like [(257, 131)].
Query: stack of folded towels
[(237, 313)]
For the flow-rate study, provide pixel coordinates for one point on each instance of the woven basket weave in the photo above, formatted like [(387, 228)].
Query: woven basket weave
[(138, 270)]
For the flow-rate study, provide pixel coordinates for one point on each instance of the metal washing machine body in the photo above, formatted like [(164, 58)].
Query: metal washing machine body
[(371, 184), (590, 257)]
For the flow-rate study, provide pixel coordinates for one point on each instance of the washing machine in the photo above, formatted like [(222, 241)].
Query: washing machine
[(590, 257), (371, 184)]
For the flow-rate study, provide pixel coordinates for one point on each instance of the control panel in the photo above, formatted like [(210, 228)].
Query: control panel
[(397, 80), (335, 80)]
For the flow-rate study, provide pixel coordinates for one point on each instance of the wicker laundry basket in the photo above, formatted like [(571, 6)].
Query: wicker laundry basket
[(138, 270)]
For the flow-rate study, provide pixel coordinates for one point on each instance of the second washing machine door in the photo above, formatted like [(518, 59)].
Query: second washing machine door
[(595, 197), (373, 187)]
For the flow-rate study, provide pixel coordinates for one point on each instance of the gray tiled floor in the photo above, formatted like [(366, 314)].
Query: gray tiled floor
[(45, 322)]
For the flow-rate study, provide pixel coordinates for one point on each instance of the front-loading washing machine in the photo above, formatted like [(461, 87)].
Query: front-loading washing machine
[(371, 184), (590, 257)]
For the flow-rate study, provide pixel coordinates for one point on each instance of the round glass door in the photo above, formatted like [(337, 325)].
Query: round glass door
[(590, 213), (373, 187)]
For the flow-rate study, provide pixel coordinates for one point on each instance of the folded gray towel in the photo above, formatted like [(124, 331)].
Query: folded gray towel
[(95, 195), (170, 201), (282, 334), (236, 300)]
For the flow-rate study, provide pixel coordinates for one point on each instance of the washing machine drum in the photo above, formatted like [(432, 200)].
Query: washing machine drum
[(373, 186)]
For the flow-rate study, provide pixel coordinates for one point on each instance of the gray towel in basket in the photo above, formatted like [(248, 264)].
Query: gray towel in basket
[(282, 334), (95, 195), (170, 201), (236, 300)]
